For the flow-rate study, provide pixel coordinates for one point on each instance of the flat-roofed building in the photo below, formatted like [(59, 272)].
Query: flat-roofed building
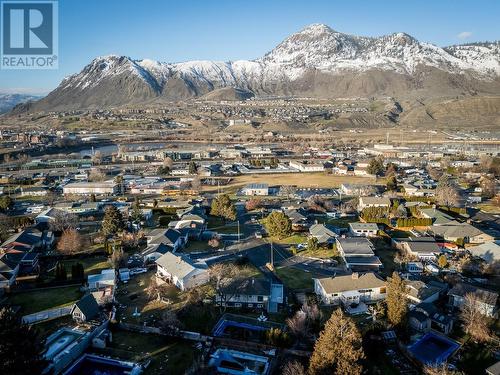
[(99, 188)]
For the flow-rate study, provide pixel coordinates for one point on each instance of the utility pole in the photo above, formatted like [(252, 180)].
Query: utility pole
[(272, 256), (238, 231)]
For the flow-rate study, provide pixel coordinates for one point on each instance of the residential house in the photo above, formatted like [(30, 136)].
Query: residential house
[(181, 271), (438, 217), (420, 292), (486, 300), (414, 267), (87, 188), (363, 229), (347, 289), (493, 369), (32, 191), (421, 248), (161, 241), (248, 293), (9, 269), (358, 254), (373, 202), (85, 309), (489, 252), (324, 233), (307, 166), (426, 316), (256, 189), (104, 280), (300, 222), (455, 231), (28, 240)]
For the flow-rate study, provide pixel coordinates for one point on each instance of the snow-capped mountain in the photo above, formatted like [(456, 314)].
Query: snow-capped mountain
[(9, 101), (317, 61)]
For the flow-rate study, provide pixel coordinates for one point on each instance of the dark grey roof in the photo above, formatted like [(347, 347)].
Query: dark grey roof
[(462, 290), (422, 245), (356, 246), (88, 306), (251, 287)]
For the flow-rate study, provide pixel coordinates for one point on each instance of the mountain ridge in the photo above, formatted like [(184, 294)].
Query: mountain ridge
[(316, 61)]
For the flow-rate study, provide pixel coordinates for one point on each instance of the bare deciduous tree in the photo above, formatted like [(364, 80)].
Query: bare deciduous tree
[(169, 322), (63, 220), (474, 315), (293, 368), (155, 289), (227, 281), (96, 175), (70, 242)]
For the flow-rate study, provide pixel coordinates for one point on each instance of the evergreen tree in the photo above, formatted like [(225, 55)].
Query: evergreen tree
[(112, 222), (60, 272), (312, 244), (397, 305), (222, 206), (193, 168), (136, 215), (278, 224), (20, 346), (338, 349), (376, 167), (77, 271)]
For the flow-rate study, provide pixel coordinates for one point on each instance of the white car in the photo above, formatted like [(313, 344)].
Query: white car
[(137, 271)]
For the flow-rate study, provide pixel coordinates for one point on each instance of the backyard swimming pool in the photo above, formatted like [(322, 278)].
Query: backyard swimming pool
[(433, 349)]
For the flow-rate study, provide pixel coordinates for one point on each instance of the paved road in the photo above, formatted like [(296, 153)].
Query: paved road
[(258, 250)]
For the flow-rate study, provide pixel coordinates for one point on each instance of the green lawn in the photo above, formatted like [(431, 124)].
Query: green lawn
[(167, 356), (294, 239), (91, 266), (294, 278), (321, 252), (195, 246), (386, 255), (44, 299)]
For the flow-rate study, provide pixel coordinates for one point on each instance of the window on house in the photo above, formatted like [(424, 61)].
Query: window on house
[(260, 298)]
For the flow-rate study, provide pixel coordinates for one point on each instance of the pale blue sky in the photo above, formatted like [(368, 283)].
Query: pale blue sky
[(174, 31)]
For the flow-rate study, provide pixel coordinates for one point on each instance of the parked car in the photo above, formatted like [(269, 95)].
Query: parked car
[(258, 234), (137, 271)]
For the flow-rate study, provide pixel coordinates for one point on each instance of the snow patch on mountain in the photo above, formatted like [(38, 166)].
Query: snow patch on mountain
[(317, 47)]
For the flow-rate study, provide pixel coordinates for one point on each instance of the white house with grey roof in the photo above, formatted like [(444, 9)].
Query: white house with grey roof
[(256, 189), (324, 233), (354, 288), (373, 202), (181, 271), (363, 229)]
